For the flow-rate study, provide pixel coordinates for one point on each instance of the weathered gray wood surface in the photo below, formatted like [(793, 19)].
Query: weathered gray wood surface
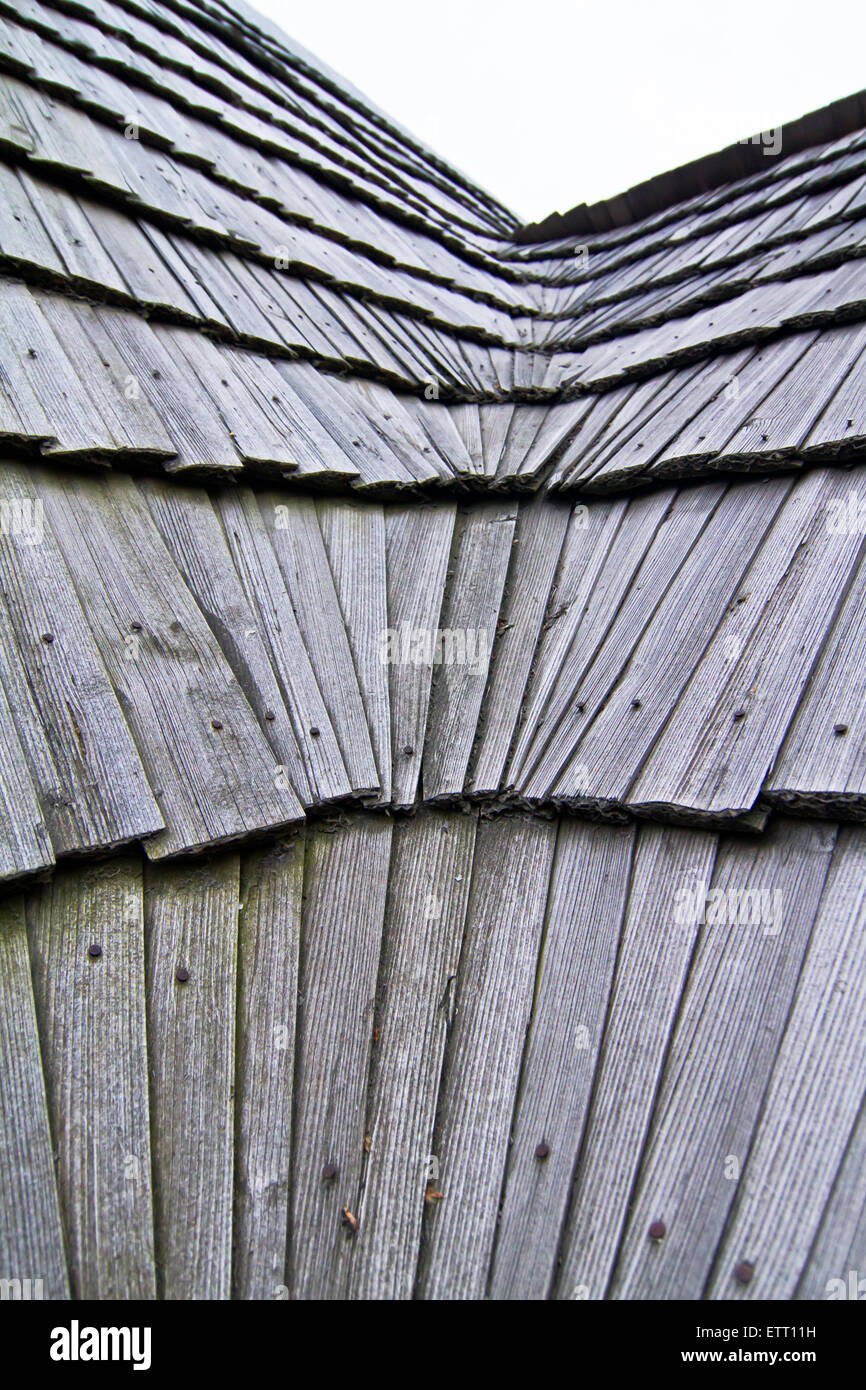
[(651, 968), (191, 924), (431, 871), (293, 528), (91, 1011), (493, 1005), (588, 894), (31, 1233), (354, 537), (468, 625), (418, 545), (813, 1099), (345, 886), (197, 736), (538, 540), (271, 886), (732, 1015), (92, 786)]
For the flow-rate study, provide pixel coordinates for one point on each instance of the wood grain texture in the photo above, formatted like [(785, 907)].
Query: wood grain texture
[(31, 1232), (191, 923), (588, 894), (733, 1012), (538, 540), (840, 1245), (418, 545), (91, 1013), (345, 885), (493, 1004), (354, 536), (813, 1099), (92, 785), (462, 656), (197, 737), (431, 870), (729, 724), (293, 528), (271, 885), (265, 591), (194, 535), (651, 968)]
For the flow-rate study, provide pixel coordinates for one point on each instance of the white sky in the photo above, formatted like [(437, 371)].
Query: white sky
[(548, 103)]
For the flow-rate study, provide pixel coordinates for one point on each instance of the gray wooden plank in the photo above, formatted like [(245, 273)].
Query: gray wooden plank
[(266, 593), (132, 420), (493, 1004), (400, 430), (354, 537), (31, 1233), (621, 724), (198, 434), (191, 529), (651, 969), (346, 427), (468, 621), (734, 1010), (729, 724), (708, 433), (638, 574), (538, 540), (86, 935), (435, 419), (271, 885), (431, 870), (822, 760), (35, 366), (495, 420), (588, 895), (91, 783), (418, 546), (25, 845), (787, 415), (840, 1245), (191, 926), (293, 528), (602, 544), (345, 883), (467, 419), (196, 735), (813, 1099)]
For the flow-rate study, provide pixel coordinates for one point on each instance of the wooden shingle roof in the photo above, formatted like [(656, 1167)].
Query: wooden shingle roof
[(401, 618)]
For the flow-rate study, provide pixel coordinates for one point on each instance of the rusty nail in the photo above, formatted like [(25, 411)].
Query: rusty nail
[(314, 732), (181, 974), (216, 723), (329, 1172), (743, 1272), (94, 949), (542, 1151), (408, 750), (350, 1221), (657, 1230)]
